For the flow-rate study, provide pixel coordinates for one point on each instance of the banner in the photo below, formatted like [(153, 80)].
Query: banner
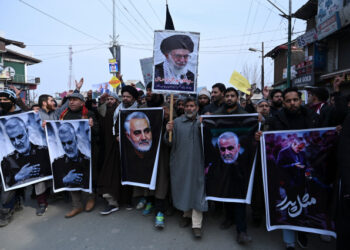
[(147, 69), (230, 154), (24, 155), (299, 175), (69, 145), (240, 82), (140, 132), (175, 66)]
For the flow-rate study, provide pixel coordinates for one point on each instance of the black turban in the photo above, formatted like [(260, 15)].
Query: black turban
[(176, 42), (131, 90)]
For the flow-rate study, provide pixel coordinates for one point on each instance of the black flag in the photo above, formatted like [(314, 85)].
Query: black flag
[(169, 25)]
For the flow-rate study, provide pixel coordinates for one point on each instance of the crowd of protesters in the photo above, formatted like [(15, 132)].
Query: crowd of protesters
[(278, 110)]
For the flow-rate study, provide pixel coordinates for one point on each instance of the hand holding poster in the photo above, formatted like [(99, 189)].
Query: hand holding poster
[(299, 175), (230, 153), (69, 145), (24, 155), (175, 61), (140, 135)]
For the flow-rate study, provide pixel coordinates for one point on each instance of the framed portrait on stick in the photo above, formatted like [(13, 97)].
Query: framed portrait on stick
[(175, 64)]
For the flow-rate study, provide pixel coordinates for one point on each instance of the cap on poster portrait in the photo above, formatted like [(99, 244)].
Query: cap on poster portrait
[(175, 57)]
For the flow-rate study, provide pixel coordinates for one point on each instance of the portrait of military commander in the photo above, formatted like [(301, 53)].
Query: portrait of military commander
[(71, 170), (28, 161), (174, 70), (138, 155), (228, 176)]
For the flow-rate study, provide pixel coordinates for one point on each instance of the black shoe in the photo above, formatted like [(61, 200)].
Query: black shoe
[(290, 248), (243, 238), (41, 210), (302, 239), (185, 222), (226, 224), (197, 233), (109, 209), (5, 216)]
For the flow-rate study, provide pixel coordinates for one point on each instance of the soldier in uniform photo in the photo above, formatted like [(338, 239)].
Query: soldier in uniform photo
[(73, 168), (28, 161)]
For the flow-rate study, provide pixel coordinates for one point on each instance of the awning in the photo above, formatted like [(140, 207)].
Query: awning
[(334, 74)]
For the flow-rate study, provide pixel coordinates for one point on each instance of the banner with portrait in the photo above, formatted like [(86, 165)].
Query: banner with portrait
[(230, 155), (175, 65), (69, 143), (299, 177), (140, 132), (24, 155), (147, 69)]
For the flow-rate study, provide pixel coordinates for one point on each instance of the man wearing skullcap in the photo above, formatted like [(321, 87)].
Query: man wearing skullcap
[(174, 70)]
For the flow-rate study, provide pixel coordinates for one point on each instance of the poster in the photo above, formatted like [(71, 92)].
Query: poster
[(140, 132), (147, 69), (299, 175), (230, 154), (24, 154), (175, 62), (69, 145)]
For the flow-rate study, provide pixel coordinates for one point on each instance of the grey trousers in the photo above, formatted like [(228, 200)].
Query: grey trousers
[(77, 198)]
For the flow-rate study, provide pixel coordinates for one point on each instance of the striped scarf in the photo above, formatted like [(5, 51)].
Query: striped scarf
[(84, 113)]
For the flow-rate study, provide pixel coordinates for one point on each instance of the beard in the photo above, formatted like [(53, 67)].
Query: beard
[(177, 70), (143, 146), (190, 115), (230, 105), (229, 158), (277, 104)]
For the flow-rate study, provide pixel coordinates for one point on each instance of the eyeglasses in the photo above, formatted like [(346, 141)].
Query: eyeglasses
[(223, 149), (179, 56)]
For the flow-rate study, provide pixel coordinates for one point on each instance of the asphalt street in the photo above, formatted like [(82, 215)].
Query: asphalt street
[(126, 230)]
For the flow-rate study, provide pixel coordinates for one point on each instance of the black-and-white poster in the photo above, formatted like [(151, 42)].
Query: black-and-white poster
[(230, 154), (69, 145), (24, 155), (175, 61), (140, 133), (299, 176)]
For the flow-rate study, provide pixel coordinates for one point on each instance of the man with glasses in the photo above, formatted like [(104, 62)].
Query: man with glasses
[(174, 70)]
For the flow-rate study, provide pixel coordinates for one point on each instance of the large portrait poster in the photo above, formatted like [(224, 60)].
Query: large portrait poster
[(175, 66), (299, 175), (230, 154), (69, 143), (140, 132), (24, 155)]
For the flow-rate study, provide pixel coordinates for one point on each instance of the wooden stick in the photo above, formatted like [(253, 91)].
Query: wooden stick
[(171, 115)]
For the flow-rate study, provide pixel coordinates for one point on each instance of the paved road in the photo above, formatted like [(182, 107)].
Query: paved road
[(125, 230)]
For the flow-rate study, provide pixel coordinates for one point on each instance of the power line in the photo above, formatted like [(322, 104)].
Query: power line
[(154, 12), (75, 52), (105, 6), (57, 20), (64, 45), (138, 12)]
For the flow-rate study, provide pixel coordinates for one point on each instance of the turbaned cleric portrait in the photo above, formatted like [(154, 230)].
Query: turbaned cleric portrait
[(175, 61)]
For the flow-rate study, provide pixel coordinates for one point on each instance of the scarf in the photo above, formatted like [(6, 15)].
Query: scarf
[(317, 107), (173, 76), (84, 113), (116, 113)]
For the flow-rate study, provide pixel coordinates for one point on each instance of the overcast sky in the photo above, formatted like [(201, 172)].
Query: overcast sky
[(228, 28)]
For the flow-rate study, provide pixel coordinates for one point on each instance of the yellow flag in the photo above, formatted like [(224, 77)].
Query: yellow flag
[(240, 82), (115, 82)]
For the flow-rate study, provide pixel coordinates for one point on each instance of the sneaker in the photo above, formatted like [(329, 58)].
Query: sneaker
[(141, 204), (302, 239), (5, 216), (159, 223), (148, 209), (197, 233), (109, 209), (41, 210), (243, 238)]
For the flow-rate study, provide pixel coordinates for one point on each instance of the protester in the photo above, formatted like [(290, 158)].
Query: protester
[(187, 167), (276, 101), (179, 107), (77, 110), (203, 100), (217, 98), (11, 200)]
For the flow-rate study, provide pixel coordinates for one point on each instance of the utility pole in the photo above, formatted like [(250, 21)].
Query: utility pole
[(262, 67), (289, 53), (115, 48)]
